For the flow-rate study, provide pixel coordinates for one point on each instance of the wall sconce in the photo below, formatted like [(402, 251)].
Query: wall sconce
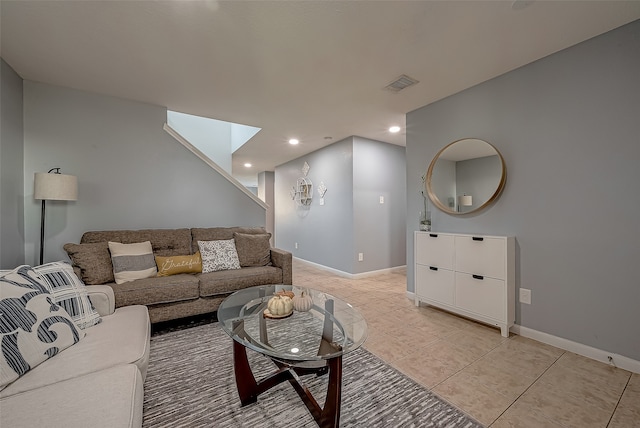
[(53, 186)]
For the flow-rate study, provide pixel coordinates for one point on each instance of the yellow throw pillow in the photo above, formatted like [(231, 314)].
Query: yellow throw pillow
[(174, 265)]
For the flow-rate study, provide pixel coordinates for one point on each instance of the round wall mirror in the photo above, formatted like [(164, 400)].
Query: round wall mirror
[(465, 176)]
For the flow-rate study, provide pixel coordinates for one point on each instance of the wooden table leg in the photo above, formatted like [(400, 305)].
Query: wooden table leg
[(245, 381), (330, 416), (249, 389)]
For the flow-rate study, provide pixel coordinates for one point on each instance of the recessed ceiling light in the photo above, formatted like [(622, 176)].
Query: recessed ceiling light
[(293, 141), (394, 129), (248, 165)]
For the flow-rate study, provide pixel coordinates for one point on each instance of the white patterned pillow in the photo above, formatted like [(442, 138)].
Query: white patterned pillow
[(33, 327), (69, 292), (132, 261), (218, 255)]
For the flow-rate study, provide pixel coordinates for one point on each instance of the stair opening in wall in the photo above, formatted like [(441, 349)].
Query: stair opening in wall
[(215, 139)]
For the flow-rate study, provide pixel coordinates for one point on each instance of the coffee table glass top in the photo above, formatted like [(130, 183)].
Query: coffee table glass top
[(332, 327)]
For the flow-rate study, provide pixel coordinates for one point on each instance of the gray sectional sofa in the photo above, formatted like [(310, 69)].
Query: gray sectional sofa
[(182, 295)]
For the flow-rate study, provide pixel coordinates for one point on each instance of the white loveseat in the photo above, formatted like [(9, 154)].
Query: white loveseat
[(98, 382)]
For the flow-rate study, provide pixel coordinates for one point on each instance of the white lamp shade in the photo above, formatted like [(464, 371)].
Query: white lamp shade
[(55, 187), (465, 200)]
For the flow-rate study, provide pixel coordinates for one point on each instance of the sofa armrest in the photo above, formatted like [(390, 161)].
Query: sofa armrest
[(102, 298), (283, 259)]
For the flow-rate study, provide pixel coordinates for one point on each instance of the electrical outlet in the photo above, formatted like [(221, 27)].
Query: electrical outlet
[(360, 257), (296, 245), (382, 199), (525, 296)]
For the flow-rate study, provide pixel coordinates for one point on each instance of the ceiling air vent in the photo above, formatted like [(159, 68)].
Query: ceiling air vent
[(400, 83)]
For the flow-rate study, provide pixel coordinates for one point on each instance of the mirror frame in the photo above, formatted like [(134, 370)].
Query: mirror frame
[(493, 197)]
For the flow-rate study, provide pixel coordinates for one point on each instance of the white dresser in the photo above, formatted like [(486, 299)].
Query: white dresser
[(470, 275)]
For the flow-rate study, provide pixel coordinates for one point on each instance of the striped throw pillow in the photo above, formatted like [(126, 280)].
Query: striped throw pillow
[(132, 261), (69, 292)]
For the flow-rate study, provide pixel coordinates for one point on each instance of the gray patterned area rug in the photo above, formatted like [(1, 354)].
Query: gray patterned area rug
[(190, 383)]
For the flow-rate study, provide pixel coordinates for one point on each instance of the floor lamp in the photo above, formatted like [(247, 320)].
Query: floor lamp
[(53, 186)]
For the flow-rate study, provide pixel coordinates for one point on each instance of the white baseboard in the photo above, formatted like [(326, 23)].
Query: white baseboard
[(617, 360), (351, 275)]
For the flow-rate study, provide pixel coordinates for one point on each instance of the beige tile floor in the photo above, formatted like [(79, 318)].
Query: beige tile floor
[(501, 382)]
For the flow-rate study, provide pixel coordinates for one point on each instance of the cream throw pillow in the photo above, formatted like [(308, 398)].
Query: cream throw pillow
[(218, 255), (34, 327), (132, 261)]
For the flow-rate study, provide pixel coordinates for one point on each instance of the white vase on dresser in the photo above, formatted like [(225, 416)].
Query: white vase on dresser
[(470, 275)]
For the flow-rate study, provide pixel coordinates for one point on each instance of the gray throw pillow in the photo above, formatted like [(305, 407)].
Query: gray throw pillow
[(93, 260), (253, 249)]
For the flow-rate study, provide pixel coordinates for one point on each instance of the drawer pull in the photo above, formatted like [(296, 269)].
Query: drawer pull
[(433, 235), (480, 277), (478, 238), (433, 268)]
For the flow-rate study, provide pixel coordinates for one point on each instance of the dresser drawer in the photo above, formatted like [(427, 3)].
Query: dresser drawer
[(485, 296), (435, 284), (435, 249), (480, 256)]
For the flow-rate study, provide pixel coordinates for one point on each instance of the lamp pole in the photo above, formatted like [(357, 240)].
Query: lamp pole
[(53, 186)]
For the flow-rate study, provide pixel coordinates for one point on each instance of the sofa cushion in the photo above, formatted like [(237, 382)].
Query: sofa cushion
[(173, 265), (218, 255), (132, 261), (103, 399), (93, 260), (228, 281), (151, 291), (253, 249), (33, 327), (121, 338), (69, 292), (165, 242), (217, 233)]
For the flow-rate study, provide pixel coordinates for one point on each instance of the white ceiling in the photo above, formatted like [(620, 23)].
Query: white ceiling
[(303, 69)]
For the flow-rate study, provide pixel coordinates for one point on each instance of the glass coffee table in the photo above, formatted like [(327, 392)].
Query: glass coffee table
[(311, 342)]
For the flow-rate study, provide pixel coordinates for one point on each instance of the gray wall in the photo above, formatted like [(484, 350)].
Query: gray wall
[(324, 233), (379, 170), (266, 183), (131, 174), (356, 172), (568, 128), (11, 160)]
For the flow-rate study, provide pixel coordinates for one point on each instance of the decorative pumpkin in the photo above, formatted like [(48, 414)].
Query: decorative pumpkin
[(303, 302), (287, 293), (280, 305)]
